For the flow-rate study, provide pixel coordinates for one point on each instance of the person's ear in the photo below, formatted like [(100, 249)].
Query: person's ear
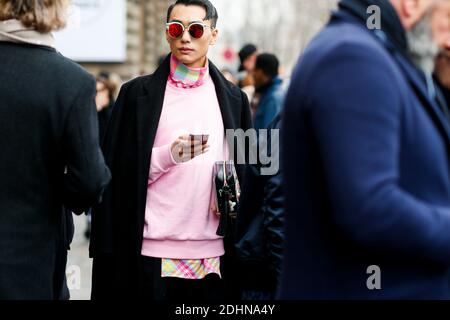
[(214, 37), (409, 7), (413, 11)]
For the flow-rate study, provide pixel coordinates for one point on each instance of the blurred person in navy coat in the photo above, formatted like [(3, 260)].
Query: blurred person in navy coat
[(366, 161)]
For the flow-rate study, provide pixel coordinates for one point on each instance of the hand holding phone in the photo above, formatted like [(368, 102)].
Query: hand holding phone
[(187, 147)]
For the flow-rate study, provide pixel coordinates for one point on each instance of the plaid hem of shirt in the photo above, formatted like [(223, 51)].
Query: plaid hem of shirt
[(190, 269)]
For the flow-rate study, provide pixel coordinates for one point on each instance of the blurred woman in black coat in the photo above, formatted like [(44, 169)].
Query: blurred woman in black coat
[(50, 156)]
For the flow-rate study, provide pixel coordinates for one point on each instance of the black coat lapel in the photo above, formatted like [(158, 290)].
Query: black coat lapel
[(229, 104), (233, 111)]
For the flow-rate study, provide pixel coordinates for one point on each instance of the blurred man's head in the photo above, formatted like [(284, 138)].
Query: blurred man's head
[(248, 55), (415, 16), (41, 15), (411, 12), (191, 29), (440, 22), (266, 69)]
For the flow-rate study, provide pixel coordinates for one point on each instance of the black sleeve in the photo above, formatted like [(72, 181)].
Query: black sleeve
[(251, 199), (273, 205), (86, 175), (273, 213)]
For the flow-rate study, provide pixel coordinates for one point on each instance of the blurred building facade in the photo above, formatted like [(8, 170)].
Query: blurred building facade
[(145, 39), (283, 29)]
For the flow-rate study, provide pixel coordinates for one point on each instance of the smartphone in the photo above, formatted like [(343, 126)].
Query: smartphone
[(200, 137)]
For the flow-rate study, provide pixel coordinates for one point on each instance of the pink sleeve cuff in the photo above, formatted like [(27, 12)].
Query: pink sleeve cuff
[(161, 162)]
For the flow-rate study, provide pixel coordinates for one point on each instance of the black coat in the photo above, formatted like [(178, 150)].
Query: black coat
[(118, 223), (48, 123)]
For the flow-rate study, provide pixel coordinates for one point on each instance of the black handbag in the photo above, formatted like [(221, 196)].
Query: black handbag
[(227, 194)]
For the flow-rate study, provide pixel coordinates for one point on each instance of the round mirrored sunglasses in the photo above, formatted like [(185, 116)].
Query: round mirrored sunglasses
[(196, 29)]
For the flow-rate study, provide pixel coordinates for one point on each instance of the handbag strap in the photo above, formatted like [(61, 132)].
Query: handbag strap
[(225, 182)]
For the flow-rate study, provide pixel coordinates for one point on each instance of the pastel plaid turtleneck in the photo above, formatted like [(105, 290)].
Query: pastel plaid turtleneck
[(183, 76)]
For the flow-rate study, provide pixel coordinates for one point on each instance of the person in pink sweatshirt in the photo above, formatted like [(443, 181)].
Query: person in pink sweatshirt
[(154, 236)]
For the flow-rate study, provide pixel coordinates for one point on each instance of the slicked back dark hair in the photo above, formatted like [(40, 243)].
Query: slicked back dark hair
[(211, 11)]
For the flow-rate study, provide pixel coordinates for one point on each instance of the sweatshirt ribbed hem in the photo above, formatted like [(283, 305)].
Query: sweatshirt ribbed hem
[(176, 249)]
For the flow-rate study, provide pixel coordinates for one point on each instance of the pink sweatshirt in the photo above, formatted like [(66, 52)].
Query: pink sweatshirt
[(179, 223)]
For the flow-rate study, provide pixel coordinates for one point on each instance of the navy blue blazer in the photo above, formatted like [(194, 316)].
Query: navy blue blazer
[(367, 173)]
